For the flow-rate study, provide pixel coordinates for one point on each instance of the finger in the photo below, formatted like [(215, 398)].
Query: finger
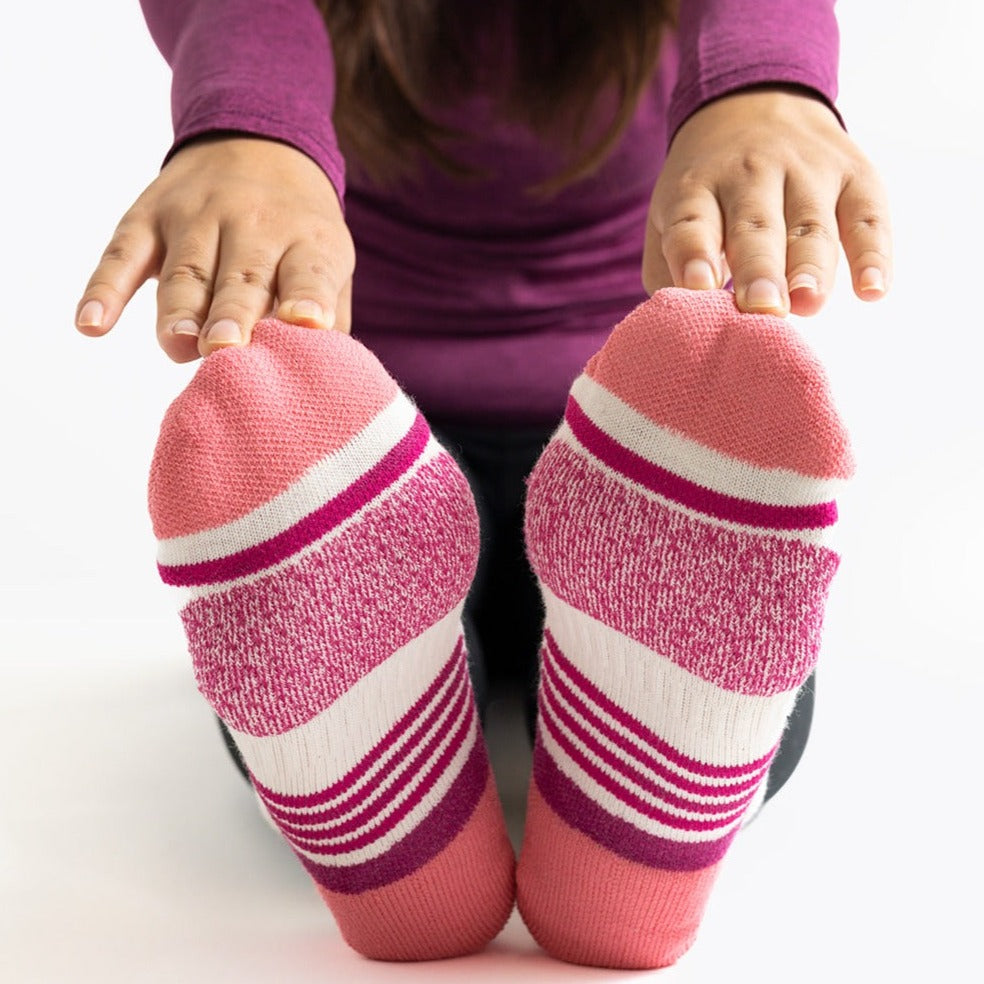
[(656, 272), (691, 232), (127, 262), (184, 292), (243, 291), (309, 282), (865, 231), (343, 316), (812, 244), (755, 241)]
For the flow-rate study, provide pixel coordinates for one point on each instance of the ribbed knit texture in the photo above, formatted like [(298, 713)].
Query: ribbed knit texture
[(676, 523), (325, 542)]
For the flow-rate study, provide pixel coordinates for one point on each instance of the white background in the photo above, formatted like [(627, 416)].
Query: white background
[(129, 850)]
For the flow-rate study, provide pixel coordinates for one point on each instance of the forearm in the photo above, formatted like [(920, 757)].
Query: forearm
[(727, 45), (263, 67)]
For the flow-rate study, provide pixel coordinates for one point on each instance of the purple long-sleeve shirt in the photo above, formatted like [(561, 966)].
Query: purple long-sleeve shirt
[(483, 302)]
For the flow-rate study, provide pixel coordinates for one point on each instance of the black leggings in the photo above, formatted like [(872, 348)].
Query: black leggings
[(503, 617)]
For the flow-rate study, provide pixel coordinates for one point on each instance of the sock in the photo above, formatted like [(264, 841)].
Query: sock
[(324, 543), (675, 522)]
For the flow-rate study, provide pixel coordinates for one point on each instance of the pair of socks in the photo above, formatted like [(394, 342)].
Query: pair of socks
[(324, 544)]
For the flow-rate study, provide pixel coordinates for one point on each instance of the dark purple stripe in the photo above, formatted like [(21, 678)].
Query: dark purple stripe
[(424, 786), (630, 799), (312, 527), (423, 843), (663, 747), (273, 799), (689, 494), (371, 800), (634, 775), (616, 835)]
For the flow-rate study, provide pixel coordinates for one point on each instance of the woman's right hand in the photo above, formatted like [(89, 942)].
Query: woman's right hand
[(234, 229)]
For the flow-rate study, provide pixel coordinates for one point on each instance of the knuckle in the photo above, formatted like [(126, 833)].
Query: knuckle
[(118, 251), (98, 287), (866, 222), (752, 164), (688, 182), (189, 273), (750, 221), (685, 234), (124, 244), (318, 272), (685, 222), (807, 228), (257, 276)]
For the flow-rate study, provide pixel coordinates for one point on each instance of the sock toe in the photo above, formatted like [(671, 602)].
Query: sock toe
[(254, 419), (745, 385)]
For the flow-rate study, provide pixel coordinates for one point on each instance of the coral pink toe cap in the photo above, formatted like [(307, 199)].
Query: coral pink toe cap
[(746, 385), (254, 419)]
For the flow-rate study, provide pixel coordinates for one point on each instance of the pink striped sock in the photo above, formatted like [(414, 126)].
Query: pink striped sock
[(676, 523), (325, 543)]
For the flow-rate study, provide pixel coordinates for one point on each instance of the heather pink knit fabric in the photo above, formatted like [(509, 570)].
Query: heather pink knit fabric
[(677, 524), (324, 544)]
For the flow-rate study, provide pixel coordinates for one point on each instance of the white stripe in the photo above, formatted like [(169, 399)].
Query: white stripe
[(313, 755), (694, 461), (431, 451), (324, 480), (698, 718), (566, 436)]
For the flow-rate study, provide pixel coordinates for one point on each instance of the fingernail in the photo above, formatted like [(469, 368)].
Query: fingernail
[(871, 281), (91, 315), (803, 281), (763, 295), (699, 275), (306, 312), (224, 332), (185, 327)]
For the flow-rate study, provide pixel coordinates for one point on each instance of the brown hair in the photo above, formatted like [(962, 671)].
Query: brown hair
[(394, 58)]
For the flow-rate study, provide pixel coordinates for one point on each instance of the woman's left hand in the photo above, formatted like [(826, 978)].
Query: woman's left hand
[(763, 186)]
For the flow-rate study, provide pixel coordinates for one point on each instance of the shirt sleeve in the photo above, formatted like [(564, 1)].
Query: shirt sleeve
[(262, 67), (726, 45)]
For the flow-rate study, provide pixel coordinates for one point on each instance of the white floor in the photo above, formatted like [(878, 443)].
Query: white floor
[(130, 850)]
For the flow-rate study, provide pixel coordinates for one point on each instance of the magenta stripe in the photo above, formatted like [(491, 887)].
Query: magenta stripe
[(665, 483), (312, 527), (452, 670), (423, 843), (373, 799), (629, 798), (740, 772), (613, 763), (573, 806), (426, 784)]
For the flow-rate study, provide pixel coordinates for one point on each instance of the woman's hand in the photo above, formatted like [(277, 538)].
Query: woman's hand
[(763, 186), (231, 227)]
